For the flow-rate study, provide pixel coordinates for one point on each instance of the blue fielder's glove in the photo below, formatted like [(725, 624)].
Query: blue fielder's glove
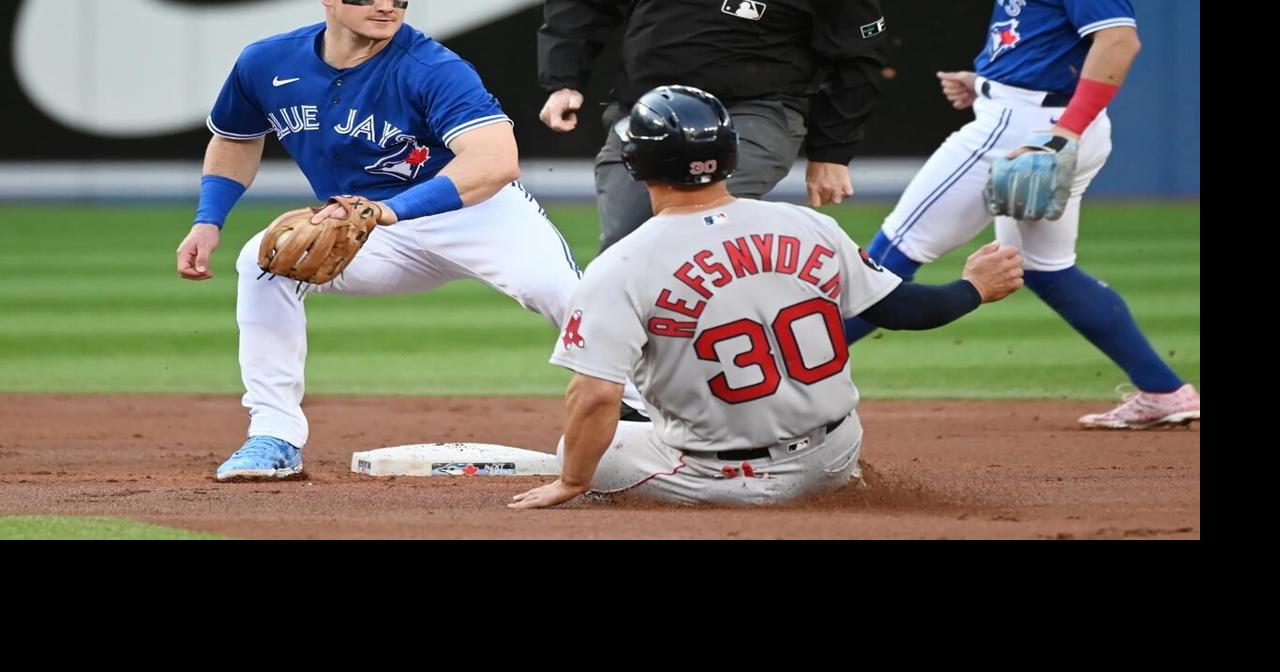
[(1035, 185)]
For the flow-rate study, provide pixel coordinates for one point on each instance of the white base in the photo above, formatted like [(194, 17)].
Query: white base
[(454, 459)]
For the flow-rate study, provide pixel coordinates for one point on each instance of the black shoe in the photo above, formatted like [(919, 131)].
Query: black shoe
[(628, 414)]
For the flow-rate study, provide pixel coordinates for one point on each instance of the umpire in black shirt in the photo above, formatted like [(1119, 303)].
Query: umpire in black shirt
[(792, 73)]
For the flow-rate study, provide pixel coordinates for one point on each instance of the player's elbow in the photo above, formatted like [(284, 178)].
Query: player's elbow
[(498, 170), (509, 171), (1130, 42), (588, 394), (504, 159)]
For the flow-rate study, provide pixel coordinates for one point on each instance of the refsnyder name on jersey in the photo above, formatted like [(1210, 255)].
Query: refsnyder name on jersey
[(743, 256), (732, 330)]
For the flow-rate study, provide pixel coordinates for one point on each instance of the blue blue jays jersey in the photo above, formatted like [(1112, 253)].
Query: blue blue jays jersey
[(375, 129), (1040, 45)]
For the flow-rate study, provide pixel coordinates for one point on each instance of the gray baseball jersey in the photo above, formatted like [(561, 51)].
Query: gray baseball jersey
[(729, 321)]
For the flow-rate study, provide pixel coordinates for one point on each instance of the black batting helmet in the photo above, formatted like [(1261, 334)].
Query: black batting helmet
[(679, 135)]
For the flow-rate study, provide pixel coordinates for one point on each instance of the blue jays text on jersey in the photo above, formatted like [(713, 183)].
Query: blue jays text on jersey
[(1040, 44), (374, 129)]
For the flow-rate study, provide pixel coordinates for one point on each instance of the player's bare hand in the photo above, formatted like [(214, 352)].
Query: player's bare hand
[(995, 270), (960, 88), (547, 495), (385, 216), (828, 183), (195, 251), (560, 113)]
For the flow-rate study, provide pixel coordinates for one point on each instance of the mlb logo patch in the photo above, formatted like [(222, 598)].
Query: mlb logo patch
[(718, 218), (744, 9)]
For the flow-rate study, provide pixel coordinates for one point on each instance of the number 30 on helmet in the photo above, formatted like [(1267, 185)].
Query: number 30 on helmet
[(679, 135)]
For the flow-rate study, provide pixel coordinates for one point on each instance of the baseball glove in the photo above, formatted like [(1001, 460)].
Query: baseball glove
[(1036, 184), (295, 248)]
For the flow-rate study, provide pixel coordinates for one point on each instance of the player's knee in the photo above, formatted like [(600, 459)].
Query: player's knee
[(548, 296), (1042, 282), (1037, 262), (247, 262)]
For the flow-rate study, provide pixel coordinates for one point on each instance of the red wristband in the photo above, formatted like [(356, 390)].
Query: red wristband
[(1091, 98)]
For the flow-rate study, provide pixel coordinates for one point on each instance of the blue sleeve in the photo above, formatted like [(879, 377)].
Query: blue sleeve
[(918, 307), (1090, 16), (236, 114), (457, 102)]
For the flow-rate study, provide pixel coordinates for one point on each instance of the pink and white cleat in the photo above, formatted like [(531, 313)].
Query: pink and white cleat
[(1144, 410)]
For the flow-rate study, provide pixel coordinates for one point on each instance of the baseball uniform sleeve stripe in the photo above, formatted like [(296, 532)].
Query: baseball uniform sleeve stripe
[(1107, 23), (233, 136), (474, 124)]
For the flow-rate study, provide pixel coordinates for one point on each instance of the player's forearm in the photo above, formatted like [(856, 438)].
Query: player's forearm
[(238, 160), (1104, 71), (229, 169), (916, 307), (592, 410), (480, 172), (485, 161)]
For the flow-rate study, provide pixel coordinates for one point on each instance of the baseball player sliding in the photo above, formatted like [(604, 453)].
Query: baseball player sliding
[(727, 315), (368, 106)]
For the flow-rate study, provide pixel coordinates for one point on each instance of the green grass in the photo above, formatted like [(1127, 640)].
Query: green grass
[(90, 302), (88, 528)]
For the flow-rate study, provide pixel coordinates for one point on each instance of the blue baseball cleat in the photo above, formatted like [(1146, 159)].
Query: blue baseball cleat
[(262, 457)]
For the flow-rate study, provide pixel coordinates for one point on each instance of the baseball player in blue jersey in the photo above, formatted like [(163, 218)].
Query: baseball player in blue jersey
[(1049, 69), (371, 107)]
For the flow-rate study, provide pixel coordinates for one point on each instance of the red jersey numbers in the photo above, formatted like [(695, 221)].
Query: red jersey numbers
[(759, 356)]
